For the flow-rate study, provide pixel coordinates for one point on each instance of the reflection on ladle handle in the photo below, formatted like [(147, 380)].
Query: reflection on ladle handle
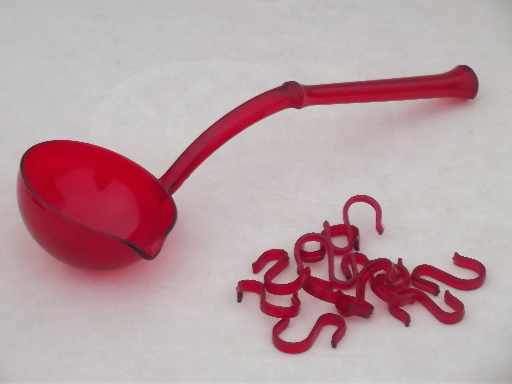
[(460, 82)]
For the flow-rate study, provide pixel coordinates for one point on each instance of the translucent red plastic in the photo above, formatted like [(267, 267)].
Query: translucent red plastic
[(352, 260), (388, 294), (330, 232), (448, 279), (403, 278), (266, 307), (399, 294), (415, 295), (307, 343), (321, 289), (355, 259), (324, 241), (389, 281), (93, 208), (357, 306), (341, 230), (378, 217), (282, 258)]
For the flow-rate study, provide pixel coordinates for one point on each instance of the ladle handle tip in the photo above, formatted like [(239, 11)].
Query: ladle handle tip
[(460, 82)]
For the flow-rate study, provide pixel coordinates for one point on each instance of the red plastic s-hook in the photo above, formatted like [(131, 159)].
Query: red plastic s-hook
[(283, 260), (446, 278), (352, 260), (342, 230), (337, 283), (440, 314), (266, 257), (399, 314), (310, 237), (403, 278), (358, 306), (378, 218), (312, 256), (321, 289), (352, 306), (387, 292), (266, 307), (307, 343), (333, 231)]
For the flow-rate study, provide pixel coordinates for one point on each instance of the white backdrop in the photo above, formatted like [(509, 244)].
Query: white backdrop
[(145, 78)]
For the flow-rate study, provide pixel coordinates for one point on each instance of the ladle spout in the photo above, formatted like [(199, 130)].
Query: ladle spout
[(460, 82)]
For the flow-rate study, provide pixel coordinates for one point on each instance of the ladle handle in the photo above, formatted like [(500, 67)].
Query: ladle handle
[(460, 82)]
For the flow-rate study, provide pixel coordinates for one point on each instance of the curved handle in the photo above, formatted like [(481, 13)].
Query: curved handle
[(460, 82)]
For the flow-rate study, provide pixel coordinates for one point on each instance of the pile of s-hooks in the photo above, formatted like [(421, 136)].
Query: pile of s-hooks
[(389, 281)]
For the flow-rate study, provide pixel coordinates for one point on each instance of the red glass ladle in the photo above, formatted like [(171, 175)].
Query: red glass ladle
[(93, 208)]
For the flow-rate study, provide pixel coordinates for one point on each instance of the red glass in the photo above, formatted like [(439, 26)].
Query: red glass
[(93, 208)]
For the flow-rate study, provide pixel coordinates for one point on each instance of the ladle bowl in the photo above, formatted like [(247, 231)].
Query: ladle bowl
[(93, 208)]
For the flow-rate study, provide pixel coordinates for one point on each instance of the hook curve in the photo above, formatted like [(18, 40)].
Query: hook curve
[(309, 237), (337, 283), (282, 261), (342, 230), (362, 199), (352, 260), (439, 313), (456, 282), (307, 343), (266, 307), (321, 289), (349, 306)]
